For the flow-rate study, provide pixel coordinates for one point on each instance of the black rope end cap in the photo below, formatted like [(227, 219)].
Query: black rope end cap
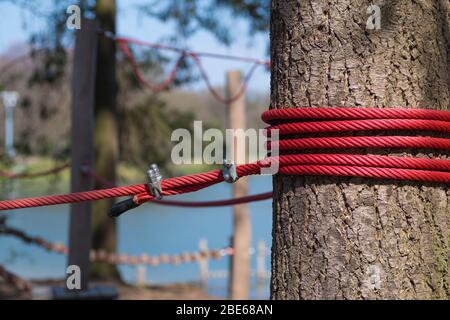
[(122, 207)]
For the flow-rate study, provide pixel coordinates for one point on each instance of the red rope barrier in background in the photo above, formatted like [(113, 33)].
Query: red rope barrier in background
[(147, 83), (124, 43), (114, 258), (333, 164), (195, 56), (189, 52)]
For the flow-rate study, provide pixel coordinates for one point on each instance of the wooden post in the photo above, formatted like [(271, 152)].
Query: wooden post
[(203, 263), (141, 276), (261, 262), (240, 264), (9, 101), (82, 144)]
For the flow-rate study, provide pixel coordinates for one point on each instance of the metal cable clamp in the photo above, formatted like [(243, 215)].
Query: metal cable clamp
[(229, 172), (154, 186), (154, 181)]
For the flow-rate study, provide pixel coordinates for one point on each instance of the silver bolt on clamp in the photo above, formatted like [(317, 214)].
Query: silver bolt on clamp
[(154, 181), (229, 171)]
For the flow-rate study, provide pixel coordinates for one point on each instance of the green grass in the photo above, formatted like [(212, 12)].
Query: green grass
[(60, 182)]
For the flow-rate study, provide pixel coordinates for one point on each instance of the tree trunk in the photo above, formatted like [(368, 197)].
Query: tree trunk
[(106, 135), (355, 238)]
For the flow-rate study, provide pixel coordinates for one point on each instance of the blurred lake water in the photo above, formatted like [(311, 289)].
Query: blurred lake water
[(149, 229)]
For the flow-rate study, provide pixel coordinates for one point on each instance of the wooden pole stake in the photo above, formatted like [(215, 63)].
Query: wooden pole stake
[(82, 145), (240, 264), (203, 263), (261, 262)]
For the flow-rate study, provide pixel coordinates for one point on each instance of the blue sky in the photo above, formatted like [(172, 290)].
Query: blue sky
[(17, 24)]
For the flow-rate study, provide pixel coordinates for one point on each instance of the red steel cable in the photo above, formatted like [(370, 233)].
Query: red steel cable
[(362, 125), (369, 166), (152, 86), (420, 167), (204, 204), (195, 56), (214, 92), (368, 172), (353, 114), (171, 186), (362, 142), (189, 204), (359, 161)]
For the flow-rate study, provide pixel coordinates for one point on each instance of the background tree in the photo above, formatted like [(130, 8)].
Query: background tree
[(191, 16), (352, 238), (106, 135)]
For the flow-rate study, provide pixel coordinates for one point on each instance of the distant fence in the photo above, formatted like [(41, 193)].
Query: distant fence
[(261, 274), (202, 257)]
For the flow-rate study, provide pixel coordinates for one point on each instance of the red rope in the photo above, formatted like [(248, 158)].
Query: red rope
[(214, 92), (150, 85), (203, 204), (360, 160), (332, 164), (171, 186), (353, 114), (362, 142), (368, 172), (329, 120), (195, 56), (362, 125), (190, 204)]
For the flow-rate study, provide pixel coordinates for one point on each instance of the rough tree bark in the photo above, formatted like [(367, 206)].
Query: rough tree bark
[(106, 135), (351, 238)]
